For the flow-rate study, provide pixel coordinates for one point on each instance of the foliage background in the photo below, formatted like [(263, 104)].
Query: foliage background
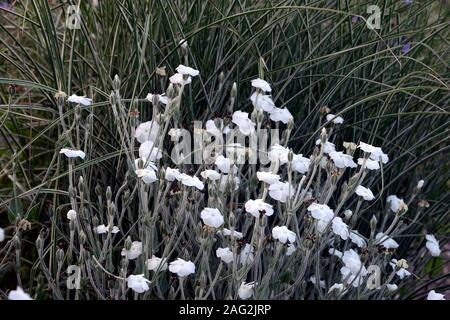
[(316, 54)]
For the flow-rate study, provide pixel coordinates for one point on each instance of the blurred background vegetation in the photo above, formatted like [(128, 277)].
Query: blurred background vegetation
[(391, 87)]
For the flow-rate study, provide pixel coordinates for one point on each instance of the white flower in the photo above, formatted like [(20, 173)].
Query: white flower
[(156, 264), (328, 147), (212, 129), (378, 154), (342, 160), (321, 212), (147, 175), (283, 234), (335, 252), (104, 229), (224, 164), (400, 267), (367, 147), (391, 287), (162, 98), (189, 181), (352, 261), (420, 184), (258, 206), (337, 286), (18, 294), (71, 153), (246, 256), (300, 163), (246, 290), (246, 126), (147, 131), (212, 217), (280, 191), (278, 153), (134, 252), (261, 84), (365, 193), (2, 235), (71, 214), (233, 234), (138, 283), (182, 267), (212, 175), (396, 204), (225, 254), (290, 249), (283, 115), (369, 164), (80, 99), (433, 295), (178, 78), (385, 241), (262, 102), (267, 177), (340, 228), (147, 150), (187, 70), (357, 239), (172, 174), (334, 119), (433, 245), (348, 213)]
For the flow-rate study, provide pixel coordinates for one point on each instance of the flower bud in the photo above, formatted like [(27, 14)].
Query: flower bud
[(82, 237), (373, 223), (60, 255), (232, 220), (323, 135), (98, 191), (420, 184), (170, 91), (290, 123), (233, 92), (116, 83), (128, 243), (72, 192), (108, 193), (81, 184)]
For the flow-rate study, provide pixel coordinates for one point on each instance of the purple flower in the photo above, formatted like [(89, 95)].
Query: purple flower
[(405, 49), (5, 5)]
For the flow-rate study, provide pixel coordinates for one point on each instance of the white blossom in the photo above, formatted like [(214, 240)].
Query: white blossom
[(80, 100), (262, 102), (134, 252), (182, 267), (147, 131), (335, 119), (72, 153), (369, 164), (367, 147), (400, 267), (18, 294), (283, 115), (138, 283), (101, 229), (156, 264), (234, 234), (261, 84), (147, 150), (290, 249), (212, 175), (342, 160), (162, 98), (283, 234), (357, 239), (396, 204), (178, 78), (433, 245), (385, 241), (280, 191), (246, 126), (300, 163), (212, 217), (257, 207), (420, 184), (267, 177), (71, 214), (365, 193), (225, 164), (328, 146), (147, 175), (246, 290), (340, 228), (321, 212), (433, 295), (391, 287), (172, 174), (246, 256), (378, 154), (225, 254), (278, 153), (191, 181), (187, 70)]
